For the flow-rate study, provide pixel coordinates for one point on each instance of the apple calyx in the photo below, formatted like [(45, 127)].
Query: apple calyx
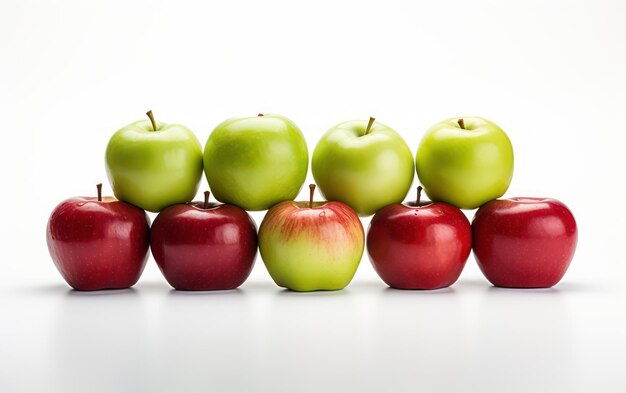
[(461, 123), (99, 188), (151, 116), (207, 194), (369, 125), (311, 192)]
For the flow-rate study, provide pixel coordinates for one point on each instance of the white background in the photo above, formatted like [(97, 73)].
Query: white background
[(551, 74)]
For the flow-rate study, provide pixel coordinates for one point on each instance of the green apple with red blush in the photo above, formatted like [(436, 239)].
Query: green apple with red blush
[(309, 246)]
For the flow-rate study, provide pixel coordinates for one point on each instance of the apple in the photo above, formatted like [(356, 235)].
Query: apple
[(202, 246), (524, 242), (308, 246), (256, 162), (419, 245), (154, 165), (98, 243), (364, 164), (465, 162)]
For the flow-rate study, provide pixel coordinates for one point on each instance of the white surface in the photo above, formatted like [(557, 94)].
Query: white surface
[(470, 337), (551, 75)]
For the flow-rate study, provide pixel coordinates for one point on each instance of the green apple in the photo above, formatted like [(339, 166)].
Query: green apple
[(309, 246), (256, 162), (154, 165), (365, 165), (465, 162)]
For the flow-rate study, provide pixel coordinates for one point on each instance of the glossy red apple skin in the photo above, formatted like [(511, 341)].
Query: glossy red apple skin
[(524, 242), (419, 247), (204, 249), (98, 244)]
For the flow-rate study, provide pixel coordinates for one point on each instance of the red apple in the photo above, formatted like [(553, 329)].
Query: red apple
[(419, 245), (524, 242), (202, 246), (98, 243)]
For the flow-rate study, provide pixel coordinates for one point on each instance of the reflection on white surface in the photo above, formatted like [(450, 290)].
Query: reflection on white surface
[(365, 338), (95, 336)]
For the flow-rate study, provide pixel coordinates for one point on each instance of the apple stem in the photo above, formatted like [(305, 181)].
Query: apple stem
[(419, 195), (369, 125), (311, 192), (99, 188), (461, 123), (154, 126), (260, 114), (207, 194)]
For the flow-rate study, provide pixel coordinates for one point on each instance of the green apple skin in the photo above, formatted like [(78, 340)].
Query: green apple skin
[(256, 162), (309, 249), (465, 167), (365, 171), (154, 169)]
